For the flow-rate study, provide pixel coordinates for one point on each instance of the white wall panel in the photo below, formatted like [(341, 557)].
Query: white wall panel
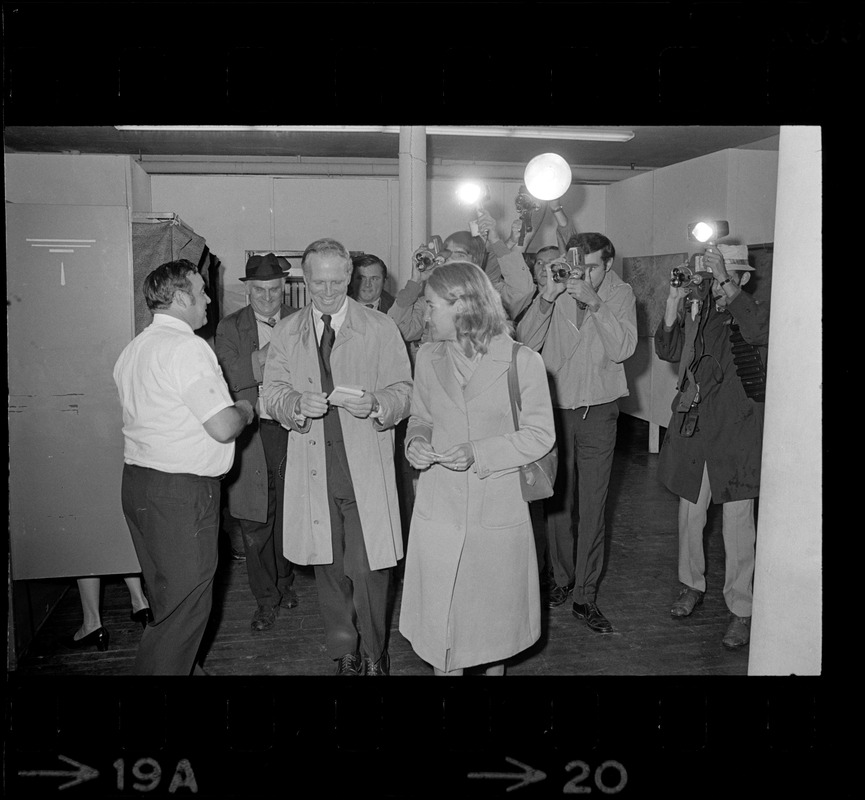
[(65, 440), (684, 193), (355, 211), (752, 185), (82, 180), (232, 213), (787, 630)]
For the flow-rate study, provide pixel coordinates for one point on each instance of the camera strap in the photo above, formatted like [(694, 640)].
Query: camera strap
[(749, 365), (688, 387)]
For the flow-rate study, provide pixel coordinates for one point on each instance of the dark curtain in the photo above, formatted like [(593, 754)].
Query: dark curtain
[(155, 243)]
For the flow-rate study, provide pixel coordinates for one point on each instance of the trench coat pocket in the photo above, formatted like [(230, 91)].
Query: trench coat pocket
[(423, 502), (503, 505)]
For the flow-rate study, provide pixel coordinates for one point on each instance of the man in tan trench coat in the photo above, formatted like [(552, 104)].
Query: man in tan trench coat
[(341, 506)]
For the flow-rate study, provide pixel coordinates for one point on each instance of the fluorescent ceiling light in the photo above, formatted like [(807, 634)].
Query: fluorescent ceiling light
[(514, 132), (551, 132)]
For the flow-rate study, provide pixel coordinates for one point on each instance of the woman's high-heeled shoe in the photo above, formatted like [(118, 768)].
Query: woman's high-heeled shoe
[(99, 637), (143, 616)]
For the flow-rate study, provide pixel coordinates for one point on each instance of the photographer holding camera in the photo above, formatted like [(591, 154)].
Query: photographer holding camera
[(505, 267), (713, 445), (583, 322)]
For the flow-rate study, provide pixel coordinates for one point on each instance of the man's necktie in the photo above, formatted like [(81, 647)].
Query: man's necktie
[(271, 321), (370, 305), (327, 338)]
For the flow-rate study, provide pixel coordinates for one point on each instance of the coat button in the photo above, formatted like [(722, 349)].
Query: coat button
[(315, 522), (313, 473), (311, 442)]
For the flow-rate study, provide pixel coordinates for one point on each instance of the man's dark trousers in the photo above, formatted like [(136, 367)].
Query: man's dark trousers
[(586, 440), (269, 572), (174, 522), (352, 597)]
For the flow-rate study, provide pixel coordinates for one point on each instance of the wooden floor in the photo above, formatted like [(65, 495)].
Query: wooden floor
[(638, 586)]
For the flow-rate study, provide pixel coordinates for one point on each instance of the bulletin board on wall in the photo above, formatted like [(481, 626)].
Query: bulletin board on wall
[(649, 277), (295, 289)]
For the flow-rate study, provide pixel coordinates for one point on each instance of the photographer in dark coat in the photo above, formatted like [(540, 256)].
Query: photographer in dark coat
[(713, 445), (255, 485)]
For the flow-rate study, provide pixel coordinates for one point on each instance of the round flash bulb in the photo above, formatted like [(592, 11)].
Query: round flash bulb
[(470, 193), (547, 176), (703, 232)]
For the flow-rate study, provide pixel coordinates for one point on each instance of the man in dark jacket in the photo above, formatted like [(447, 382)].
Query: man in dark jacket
[(713, 444), (256, 483), (369, 275)]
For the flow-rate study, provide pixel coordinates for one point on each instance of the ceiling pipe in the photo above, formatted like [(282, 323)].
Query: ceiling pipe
[(209, 165)]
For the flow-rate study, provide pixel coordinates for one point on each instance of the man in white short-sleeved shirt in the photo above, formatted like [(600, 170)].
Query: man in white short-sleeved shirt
[(179, 427)]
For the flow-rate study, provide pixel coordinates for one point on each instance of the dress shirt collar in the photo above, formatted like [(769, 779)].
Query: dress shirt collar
[(264, 319), (171, 322), (336, 319)]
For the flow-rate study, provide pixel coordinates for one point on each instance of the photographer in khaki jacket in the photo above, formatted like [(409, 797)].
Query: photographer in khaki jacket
[(584, 326)]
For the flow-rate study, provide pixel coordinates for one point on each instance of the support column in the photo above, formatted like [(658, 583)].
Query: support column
[(412, 196), (787, 632)]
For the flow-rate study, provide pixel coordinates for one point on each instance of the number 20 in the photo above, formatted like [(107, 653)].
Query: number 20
[(573, 787)]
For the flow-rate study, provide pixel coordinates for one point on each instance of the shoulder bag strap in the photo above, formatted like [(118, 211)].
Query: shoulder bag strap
[(514, 386)]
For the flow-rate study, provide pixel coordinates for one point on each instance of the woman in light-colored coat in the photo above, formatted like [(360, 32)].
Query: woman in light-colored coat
[(470, 591)]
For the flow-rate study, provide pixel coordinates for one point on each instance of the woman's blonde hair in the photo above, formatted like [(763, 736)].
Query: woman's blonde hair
[(483, 315)]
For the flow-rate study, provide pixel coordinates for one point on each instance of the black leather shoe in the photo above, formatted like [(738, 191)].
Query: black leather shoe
[(593, 617), (349, 664), (99, 637), (288, 599), (558, 595), (264, 617), (143, 616), (380, 667)]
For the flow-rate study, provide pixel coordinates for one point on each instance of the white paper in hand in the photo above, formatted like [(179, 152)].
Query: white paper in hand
[(339, 394)]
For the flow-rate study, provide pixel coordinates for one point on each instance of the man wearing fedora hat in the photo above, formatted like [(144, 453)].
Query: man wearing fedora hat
[(255, 484), (713, 444)]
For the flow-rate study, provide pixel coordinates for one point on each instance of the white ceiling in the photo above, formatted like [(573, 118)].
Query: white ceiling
[(652, 146)]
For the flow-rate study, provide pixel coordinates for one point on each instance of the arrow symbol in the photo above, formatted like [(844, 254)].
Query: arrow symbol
[(82, 773), (529, 775)]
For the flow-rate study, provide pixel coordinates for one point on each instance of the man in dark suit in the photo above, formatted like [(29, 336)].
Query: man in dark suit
[(367, 282), (256, 483)]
